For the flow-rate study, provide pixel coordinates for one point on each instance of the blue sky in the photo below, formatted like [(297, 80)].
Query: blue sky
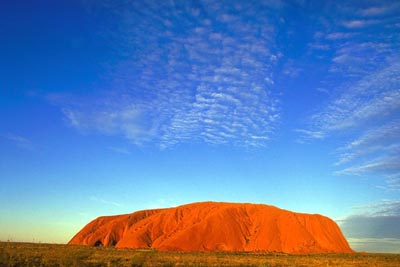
[(113, 107)]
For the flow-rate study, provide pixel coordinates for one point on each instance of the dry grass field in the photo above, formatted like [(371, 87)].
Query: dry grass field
[(49, 255)]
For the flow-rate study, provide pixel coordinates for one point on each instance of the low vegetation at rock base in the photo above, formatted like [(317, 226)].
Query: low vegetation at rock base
[(50, 255)]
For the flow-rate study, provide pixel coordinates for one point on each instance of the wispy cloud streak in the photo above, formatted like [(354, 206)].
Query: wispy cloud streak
[(364, 101), (105, 202), (382, 208), (18, 140)]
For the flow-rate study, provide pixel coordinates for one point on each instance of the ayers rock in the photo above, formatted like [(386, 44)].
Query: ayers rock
[(216, 226)]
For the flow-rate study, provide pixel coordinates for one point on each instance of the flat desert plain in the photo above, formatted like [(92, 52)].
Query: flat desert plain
[(52, 255)]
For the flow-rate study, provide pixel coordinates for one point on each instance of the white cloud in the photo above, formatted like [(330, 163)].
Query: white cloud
[(382, 208), (322, 90), (388, 164), (363, 103), (310, 134), (374, 97), (339, 35), (358, 23), (393, 182), (18, 140), (369, 107), (373, 11), (383, 9), (383, 140), (120, 150), (194, 84), (374, 227), (387, 133), (133, 122), (104, 201)]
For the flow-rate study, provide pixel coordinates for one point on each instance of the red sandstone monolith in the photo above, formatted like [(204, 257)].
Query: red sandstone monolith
[(217, 226)]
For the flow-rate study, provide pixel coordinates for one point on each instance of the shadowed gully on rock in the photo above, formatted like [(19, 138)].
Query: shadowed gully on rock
[(217, 226)]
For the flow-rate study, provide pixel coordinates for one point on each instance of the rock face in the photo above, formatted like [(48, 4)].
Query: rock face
[(215, 226)]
